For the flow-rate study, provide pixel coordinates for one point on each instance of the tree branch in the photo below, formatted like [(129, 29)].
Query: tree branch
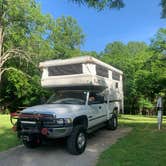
[(14, 69), (14, 53)]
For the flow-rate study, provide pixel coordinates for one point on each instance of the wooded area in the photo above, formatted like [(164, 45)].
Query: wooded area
[(27, 37)]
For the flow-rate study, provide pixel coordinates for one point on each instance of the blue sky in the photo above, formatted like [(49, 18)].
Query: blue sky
[(138, 21)]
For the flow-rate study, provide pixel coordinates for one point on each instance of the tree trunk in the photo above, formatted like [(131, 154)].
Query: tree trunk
[(1, 50)]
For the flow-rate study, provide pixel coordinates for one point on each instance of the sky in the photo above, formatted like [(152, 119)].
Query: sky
[(139, 20)]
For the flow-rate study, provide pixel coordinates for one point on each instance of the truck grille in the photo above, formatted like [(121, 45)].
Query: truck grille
[(36, 116), (31, 121)]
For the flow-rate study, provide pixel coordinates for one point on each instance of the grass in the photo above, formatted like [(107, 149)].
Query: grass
[(144, 146), (8, 137)]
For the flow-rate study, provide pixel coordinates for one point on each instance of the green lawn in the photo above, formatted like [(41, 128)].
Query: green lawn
[(8, 137), (144, 146)]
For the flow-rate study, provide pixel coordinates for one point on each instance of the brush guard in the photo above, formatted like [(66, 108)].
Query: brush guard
[(14, 116), (14, 119)]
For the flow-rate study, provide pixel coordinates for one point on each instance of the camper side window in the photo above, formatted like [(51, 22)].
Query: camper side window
[(116, 85), (65, 70), (115, 76), (101, 71)]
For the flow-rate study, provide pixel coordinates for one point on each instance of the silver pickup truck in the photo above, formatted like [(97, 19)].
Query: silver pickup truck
[(67, 114)]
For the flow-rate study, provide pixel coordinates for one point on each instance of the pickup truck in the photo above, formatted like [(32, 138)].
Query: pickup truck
[(67, 114)]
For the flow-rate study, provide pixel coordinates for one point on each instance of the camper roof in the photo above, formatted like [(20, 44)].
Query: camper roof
[(75, 60)]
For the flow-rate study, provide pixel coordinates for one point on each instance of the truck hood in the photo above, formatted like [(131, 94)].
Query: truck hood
[(60, 110)]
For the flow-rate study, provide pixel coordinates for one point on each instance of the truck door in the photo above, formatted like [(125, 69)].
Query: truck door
[(98, 112)]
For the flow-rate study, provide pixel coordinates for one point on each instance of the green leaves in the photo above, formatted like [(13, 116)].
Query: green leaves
[(19, 82), (22, 90), (158, 42), (27, 33), (65, 37), (101, 4), (113, 4), (143, 67), (163, 5), (145, 103)]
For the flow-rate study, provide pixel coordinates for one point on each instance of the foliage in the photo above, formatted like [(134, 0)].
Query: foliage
[(22, 26), (101, 4), (21, 90), (65, 37), (29, 34), (28, 37), (145, 103), (143, 67), (158, 43), (110, 4), (130, 59), (163, 5)]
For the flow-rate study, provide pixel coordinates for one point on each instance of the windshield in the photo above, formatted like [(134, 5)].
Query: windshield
[(68, 98)]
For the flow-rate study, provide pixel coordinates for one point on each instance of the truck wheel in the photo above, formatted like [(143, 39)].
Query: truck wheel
[(33, 143), (76, 142), (112, 123)]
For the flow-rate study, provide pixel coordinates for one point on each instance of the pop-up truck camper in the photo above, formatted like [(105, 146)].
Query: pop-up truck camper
[(88, 94)]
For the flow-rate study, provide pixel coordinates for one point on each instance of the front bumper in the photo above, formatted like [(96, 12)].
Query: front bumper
[(59, 132), (52, 132), (44, 125)]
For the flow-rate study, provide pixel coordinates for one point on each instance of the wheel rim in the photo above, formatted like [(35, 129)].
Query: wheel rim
[(81, 140)]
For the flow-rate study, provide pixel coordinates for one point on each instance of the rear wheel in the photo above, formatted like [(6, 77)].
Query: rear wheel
[(76, 142), (112, 123)]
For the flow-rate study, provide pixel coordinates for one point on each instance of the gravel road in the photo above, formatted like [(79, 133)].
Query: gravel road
[(56, 154)]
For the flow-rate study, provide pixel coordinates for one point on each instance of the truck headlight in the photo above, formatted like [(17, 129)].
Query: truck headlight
[(68, 120), (60, 121)]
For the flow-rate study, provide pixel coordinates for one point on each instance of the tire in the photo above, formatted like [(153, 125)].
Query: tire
[(76, 142), (112, 123), (33, 143)]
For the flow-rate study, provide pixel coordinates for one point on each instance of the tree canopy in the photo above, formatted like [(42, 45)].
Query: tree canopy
[(110, 4), (101, 4), (144, 70), (27, 37)]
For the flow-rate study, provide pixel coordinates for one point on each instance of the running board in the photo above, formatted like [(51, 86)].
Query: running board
[(94, 128)]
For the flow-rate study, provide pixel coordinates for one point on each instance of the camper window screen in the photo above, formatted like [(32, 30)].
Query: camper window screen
[(101, 71), (115, 76), (65, 70)]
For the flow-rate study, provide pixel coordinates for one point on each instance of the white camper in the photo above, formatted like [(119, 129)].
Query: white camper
[(84, 73)]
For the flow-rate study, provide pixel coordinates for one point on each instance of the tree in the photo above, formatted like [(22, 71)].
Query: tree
[(130, 59), (65, 37), (101, 4), (28, 37), (19, 90), (114, 53), (144, 104), (158, 42), (163, 5), (21, 23), (110, 4)]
